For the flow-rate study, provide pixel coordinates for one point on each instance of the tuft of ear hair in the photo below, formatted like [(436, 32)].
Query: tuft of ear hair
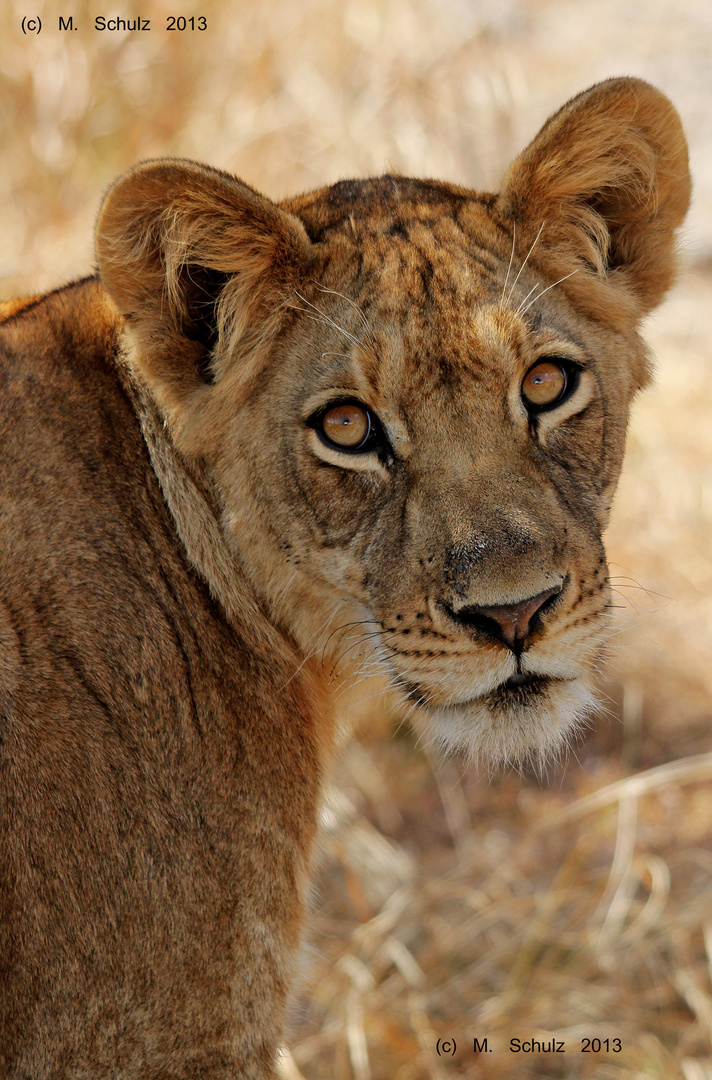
[(608, 178), (199, 264)]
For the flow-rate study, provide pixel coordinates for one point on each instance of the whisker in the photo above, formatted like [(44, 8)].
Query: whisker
[(312, 653), (340, 629), (389, 685), (526, 298), (354, 305), (284, 590), (316, 638), (625, 583), (546, 290), (329, 321), (362, 640), (364, 672), (514, 284)]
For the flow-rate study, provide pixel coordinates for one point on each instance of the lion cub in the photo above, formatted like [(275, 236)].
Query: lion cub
[(267, 448)]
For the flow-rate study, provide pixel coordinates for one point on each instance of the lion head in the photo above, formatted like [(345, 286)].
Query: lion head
[(389, 415)]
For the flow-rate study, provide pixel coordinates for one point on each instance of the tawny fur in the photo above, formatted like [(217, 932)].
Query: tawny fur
[(191, 577)]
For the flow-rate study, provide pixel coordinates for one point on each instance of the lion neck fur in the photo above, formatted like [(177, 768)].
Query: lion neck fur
[(195, 508)]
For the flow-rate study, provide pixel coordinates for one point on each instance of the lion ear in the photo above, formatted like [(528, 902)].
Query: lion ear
[(607, 181), (199, 264)]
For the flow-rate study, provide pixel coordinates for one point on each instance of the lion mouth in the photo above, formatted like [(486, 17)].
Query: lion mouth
[(525, 715), (522, 678), (520, 689)]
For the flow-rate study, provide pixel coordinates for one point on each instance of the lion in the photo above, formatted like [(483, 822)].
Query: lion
[(268, 450)]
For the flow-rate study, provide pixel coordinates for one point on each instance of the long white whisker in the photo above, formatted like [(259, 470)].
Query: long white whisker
[(564, 278), (349, 687), (354, 305), (316, 639), (329, 321), (526, 298), (514, 283), (284, 590), (334, 675), (390, 685)]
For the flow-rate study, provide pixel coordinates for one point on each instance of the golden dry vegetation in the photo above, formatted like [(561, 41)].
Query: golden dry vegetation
[(449, 904)]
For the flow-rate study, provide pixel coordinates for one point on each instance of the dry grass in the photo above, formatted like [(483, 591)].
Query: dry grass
[(510, 911), (449, 905)]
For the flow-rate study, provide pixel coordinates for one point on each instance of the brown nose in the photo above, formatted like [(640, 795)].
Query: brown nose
[(510, 623)]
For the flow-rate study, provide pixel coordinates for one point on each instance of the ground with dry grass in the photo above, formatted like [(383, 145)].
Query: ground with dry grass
[(451, 905)]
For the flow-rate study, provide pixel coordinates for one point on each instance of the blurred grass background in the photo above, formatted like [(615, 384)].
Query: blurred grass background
[(450, 904)]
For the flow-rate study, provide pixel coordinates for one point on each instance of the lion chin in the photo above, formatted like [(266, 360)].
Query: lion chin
[(529, 719)]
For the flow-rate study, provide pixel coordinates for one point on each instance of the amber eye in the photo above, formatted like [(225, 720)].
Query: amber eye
[(545, 384), (346, 426)]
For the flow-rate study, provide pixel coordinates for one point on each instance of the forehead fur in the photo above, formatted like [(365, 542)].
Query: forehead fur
[(386, 201), (435, 245)]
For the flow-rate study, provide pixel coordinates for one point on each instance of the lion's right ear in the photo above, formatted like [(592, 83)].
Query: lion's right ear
[(194, 259)]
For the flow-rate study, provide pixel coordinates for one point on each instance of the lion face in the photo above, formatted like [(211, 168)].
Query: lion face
[(438, 520), (412, 401)]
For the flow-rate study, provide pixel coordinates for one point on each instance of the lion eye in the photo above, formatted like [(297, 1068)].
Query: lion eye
[(545, 384), (347, 426)]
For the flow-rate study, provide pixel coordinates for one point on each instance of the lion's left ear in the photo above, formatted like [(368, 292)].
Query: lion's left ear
[(191, 257), (608, 179)]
